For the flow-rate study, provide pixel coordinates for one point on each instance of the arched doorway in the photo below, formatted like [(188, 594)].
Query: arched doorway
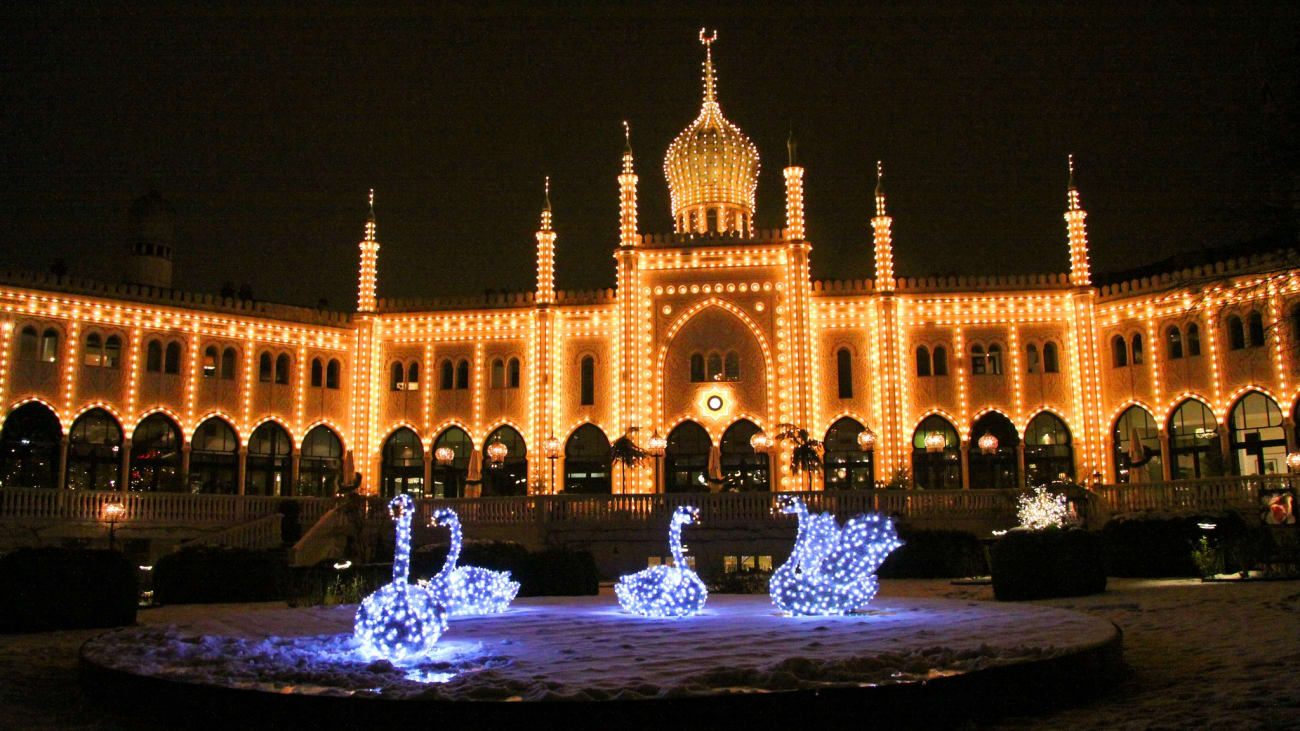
[(686, 458), (743, 468), (848, 466), (156, 455), (214, 458), (449, 478), (95, 452), (267, 468), (998, 469), (1048, 454), (29, 447), (510, 476), (938, 469), (1136, 431), (403, 464), (320, 466), (586, 461), (1258, 438), (1194, 442)]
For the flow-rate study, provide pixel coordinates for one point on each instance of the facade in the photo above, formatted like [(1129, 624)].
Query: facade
[(714, 334)]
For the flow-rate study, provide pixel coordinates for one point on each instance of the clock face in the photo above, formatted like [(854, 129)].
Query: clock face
[(714, 403)]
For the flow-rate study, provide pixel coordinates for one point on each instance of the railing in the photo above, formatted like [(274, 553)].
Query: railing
[(1204, 495), (158, 507), (256, 534)]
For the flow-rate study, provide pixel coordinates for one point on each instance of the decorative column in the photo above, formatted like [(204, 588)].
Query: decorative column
[(122, 484), (628, 285), (794, 222), (1225, 444), (241, 468), (965, 464), (185, 466), (540, 364), (1166, 456), (63, 461), (428, 471), (1020, 463), (295, 464)]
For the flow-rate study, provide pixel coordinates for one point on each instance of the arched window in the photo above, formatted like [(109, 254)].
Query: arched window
[(510, 476), (214, 458), (844, 372), (847, 466), (1048, 454), (1194, 442), (320, 466), (697, 368), (264, 368), (1255, 328), (29, 447), (512, 373), (156, 456), (940, 360), (498, 373), (282, 368), (332, 373), (1051, 364), (742, 468), (153, 357), (922, 361), (995, 360), (711, 220), (95, 452), (395, 375), (92, 350), (1137, 446), (714, 367), (449, 477), (50, 345), (999, 468), (587, 467), (210, 362), (1193, 340), (977, 363), (940, 469), (686, 459), (1118, 351), (1136, 351), (317, 373), (1236, 333), (1031, 358), (447, 380), (267, 465), (112, 351), (462, 375), (1174, 343), (228, 364), (172, 359), (413, 376), (1258, 438), (27, 344), (588, 378), (403, 464), (731, 366)]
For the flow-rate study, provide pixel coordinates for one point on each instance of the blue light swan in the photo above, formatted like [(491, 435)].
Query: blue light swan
[(666, 591), (467, 589), (399, 622), (831, 570)]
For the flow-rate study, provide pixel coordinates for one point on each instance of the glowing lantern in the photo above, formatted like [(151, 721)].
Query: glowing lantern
[(657, 445), (1293, 461), (496, 452), (867, 440), (935, 442), (760, 442), (444, 455), (551, 446), (988, 444)]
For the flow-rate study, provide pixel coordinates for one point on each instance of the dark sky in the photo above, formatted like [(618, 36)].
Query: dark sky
[(266, 128)]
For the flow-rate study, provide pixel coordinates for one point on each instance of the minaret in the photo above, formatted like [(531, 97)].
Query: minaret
[(546, 254), (632, 322), (369, 261), (793, 196), (884, 242), (1078, 233), (627, 230)]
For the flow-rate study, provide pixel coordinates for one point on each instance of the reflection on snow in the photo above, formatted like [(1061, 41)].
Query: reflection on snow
[(428, 676)]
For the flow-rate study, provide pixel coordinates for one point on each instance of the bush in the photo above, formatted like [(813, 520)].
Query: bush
[(935, 554), (322, 584), (63, 588), (552, 572), (745, 581), (1042, 564), (1164, 546), (210, 574)]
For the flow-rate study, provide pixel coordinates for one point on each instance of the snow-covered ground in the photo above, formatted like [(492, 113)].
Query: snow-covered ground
[(1202, 655)]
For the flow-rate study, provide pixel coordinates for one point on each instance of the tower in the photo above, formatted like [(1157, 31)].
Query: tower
[(369, 262), (1078, 234), (627, 180), (546, 253), (793, 196), (881, 227), (152, 238)]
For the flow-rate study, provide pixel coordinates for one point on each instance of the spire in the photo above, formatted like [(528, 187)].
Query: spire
[(710, 82), (880, 188), (790, 146), (1072, 193), (627, 179), (366, 278), (1080, 275), (546, 209), (794, 221), (546, 252), (882, 226)]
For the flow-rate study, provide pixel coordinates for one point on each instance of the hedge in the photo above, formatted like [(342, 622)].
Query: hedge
[(1048, 563), (209, 574), (66, 588), (550, 572), (935, 554)]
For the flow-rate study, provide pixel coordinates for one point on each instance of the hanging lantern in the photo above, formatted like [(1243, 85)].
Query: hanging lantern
[(867, 440), (657, 444), (551, 446), (1293, 461), (935, 442), (444, 455), (496, 452), (760, 442), (988, 443)]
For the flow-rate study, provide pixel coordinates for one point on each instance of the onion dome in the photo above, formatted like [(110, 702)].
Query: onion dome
[(712, 167)]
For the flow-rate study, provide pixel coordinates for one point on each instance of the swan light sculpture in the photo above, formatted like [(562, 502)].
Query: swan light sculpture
[(467, 589), (831, 570), (666, 591), (399, 622)]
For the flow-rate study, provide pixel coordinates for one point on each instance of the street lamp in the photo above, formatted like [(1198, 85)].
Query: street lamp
[(551, 446), (112, 513), (656, 447)]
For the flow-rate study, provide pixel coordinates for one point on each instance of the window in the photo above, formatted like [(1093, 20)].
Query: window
[(743, 468), (1051, 364), (1136, 350), (588, 381), (922, 361), (264, 368), (498, 373), (1255, 328), (172, 359), (155, 456), (94, 452), (731, 366), (995, 359), (462, 375), (1258, 443), (1137, 447), (1118, 351), (153, 357), (413, 376), (228, 364), (940, 360), (282, 368), (714, 367), (317, 373), (1236, 335), (1194, 442), (112, 352), (1193, 340), (27, 343), (402, 470), (587, 466), (1031, 358), (1048, 454), (210, 362), (844, 372), (49, 345), (512, 373), (93, 351), (977, 360), (1174, 343), (697, 368), (321, 463), (940, 469), (448, 378), (395, 378), (332, 373)]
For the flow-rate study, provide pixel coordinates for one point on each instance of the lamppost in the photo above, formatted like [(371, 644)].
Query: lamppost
[(112, 513), (867, 443), (444, 456), (656, 447), (496, 453), (551, 446), (762, 443)]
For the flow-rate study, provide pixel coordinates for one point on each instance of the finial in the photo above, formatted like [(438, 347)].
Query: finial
[(627, 138), (372, 205), (710, 84), (1070, 158), (547, 189), (880, 177), (790, 147)]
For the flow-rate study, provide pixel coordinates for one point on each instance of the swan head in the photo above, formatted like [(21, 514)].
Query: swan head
[(686, 514), (444, 516), (790, 505), (400, 505)]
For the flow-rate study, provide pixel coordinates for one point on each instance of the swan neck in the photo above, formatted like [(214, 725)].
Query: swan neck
[(453, 547), (675, 544), (402, 549)]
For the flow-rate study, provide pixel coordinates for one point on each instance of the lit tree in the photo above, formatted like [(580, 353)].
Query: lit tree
[(806, 456)]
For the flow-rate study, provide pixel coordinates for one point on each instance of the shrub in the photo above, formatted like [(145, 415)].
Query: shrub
[(745, 581), (61, 588), (552, 572), (209, 574), (1164, 546), (1042, 564), (935, 554), (322, 584)]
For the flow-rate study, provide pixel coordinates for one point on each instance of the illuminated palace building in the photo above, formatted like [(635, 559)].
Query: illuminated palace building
[(714, 335)]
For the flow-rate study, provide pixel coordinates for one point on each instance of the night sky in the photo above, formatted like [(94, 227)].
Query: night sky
[(266, 128)]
